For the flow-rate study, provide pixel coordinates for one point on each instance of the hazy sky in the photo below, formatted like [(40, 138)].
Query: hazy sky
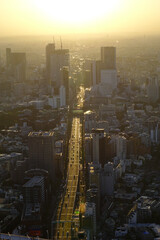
[(23, 17)]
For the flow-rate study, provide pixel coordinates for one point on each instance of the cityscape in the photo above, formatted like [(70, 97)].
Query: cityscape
[(79, 126)]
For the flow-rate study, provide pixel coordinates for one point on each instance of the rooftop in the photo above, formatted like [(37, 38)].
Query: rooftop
[(16, 237), (35, 181), (40, 134)]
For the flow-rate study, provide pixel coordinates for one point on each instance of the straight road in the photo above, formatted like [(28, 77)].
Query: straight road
[(67, 204)]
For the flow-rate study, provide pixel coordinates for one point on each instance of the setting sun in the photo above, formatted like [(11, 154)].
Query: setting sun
[(75, 16), (79, 119), (75, 12)]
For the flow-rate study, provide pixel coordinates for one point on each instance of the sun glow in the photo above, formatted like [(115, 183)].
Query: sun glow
[(74, 12), (58, 17)]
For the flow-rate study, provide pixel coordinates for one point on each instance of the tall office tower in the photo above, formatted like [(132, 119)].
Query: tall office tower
[(108, 72), (41, 152), (134, 144), (90, 121), (34, 190), (62, 93), (104, 73), (98, 71), (108, 57), (93, 193), (153, 89), (95, 72), (99, 143), (121, 147), (154, 129), (50, 49), (87, 78), (88, 148), (65, 82), (56, 59), (35, 195), (16, 65), (107, 180), (88, 219)]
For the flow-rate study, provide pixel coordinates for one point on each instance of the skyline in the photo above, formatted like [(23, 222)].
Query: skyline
[(43, 17), (79, 127)]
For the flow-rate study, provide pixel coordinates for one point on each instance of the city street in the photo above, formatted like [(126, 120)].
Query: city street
[(67, 204)]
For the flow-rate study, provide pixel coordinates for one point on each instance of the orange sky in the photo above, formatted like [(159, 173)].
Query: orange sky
[(28, 17)]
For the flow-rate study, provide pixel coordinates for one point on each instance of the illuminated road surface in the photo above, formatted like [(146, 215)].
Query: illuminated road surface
[(66, 207)]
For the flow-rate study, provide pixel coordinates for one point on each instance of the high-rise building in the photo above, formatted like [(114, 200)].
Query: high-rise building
[(153, 89), (41, 152), (94, 175), (98, 71), (95, 146), (56, 59), (62, 93), (109, 78), (107, 180), (34, 190), (134, 144), (35, 200), (108, 57), (121, 147), (60, 96), (88, 219), (87, 78), (90, 121), (108, 73), (93, 193), (88, 148), (153, 124), (65, 82), (95, 72), (16, 65), (104, 73), (99, 139), (50, 49), (59, 59)]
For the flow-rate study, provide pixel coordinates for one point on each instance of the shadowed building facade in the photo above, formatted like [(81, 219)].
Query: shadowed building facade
[(16, 65), (42, 152)]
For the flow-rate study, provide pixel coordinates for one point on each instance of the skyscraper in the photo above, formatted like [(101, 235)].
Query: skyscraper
[(108, 72), (41, 152), (98, 138), (50, 49), (56, 59), (95, 72), (108, 57), (107, 179), (16, 65), (153, 89), (34, 190), (104, 73), (35, 200), (121, 147), (65, 82)]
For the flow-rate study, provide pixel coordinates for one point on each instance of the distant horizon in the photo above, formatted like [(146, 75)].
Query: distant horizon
[(39, 17), (88, 35)]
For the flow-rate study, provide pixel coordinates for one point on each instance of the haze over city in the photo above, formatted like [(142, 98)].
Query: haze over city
[(32, 17), (79, 120)]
